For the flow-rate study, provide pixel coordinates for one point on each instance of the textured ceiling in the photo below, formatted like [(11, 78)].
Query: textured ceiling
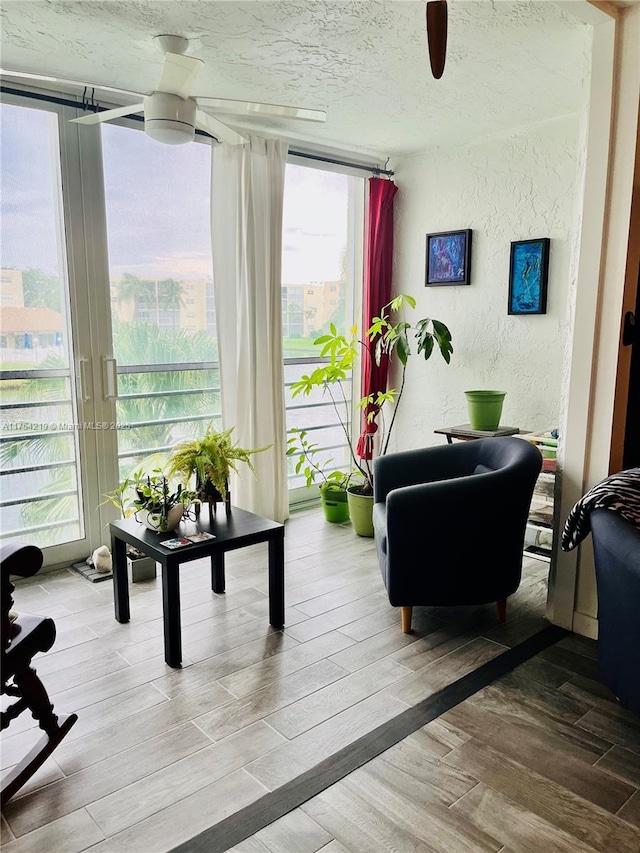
[(509, 64)]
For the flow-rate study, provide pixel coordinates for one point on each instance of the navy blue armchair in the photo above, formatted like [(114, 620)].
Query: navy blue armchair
[(616, 546), (449, 522)]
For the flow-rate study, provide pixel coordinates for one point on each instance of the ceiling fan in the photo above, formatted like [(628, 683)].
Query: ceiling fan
[(172, 113)]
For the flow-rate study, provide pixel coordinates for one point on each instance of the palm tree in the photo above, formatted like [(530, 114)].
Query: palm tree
[(141, 399), (150, 297), (142, 396)]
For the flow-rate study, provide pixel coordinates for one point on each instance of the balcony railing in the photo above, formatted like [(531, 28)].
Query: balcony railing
[(316, 414), (156, 419)]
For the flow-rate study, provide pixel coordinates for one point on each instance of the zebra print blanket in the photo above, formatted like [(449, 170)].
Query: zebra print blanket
[(619, 493)]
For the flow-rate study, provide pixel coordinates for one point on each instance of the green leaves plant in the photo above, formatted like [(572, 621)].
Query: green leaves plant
[(211, 458), (387, 338), (307, 456)]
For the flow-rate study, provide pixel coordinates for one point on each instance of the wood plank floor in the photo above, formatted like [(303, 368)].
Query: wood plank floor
[(542, 761), (159, 755)]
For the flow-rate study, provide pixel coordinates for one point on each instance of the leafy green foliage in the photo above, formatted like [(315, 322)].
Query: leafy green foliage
[(310, 467), (165, 295), (40, 290), (151, 492), (211, 458), (385, 337), (140, 395), (119, 498)]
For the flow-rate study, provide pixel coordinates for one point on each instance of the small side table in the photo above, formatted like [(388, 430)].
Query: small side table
[(465, 432), (236, 530)]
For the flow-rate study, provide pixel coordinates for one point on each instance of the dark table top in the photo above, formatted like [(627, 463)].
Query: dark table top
[(236, 530), (467, 431)]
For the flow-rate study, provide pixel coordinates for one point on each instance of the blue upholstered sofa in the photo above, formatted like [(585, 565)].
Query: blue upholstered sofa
[(616, 545)]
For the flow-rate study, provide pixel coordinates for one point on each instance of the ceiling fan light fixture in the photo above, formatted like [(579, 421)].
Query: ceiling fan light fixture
[(169, 132), (169, 118)]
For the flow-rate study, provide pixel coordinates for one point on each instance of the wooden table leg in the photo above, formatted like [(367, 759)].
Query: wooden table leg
[(217, 573), (120, 579), (171, 613), (276, 580)]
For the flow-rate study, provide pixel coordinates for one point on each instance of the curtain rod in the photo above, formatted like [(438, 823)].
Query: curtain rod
[(373, 169), (66, 102)]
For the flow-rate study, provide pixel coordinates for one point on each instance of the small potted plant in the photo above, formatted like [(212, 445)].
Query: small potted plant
[(333, 485), (152, 500), (129, 498), (211, 459), (139, 566)]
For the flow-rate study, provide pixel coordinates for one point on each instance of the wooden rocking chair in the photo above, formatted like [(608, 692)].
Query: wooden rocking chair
[(22, 637)]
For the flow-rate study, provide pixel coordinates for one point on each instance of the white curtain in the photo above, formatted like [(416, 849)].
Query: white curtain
[(246, 216)]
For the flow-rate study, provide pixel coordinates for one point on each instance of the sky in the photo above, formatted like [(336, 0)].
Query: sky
[(157, 201)]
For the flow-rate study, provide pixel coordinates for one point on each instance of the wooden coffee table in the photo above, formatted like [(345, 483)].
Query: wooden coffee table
[(236, 530)]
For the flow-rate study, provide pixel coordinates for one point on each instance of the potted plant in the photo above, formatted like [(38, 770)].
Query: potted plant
[(333, 485), (389, 335), (139, 566), (156, 505), (211, 459)]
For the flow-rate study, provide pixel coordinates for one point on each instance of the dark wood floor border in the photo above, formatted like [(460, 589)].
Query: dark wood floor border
[(259, 814)]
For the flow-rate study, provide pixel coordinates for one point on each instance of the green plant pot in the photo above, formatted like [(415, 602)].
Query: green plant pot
[(361, 512), (335, 506), (485, 409)]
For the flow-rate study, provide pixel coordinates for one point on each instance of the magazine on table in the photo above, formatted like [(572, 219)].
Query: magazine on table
[(200, 537), (178, 542), (183, 541)]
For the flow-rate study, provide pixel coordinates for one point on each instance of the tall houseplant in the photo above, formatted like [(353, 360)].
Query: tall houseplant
[(389, 335)]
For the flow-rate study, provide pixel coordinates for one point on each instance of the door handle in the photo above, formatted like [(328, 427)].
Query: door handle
[(629, 330), (85, 391), (109, 378)]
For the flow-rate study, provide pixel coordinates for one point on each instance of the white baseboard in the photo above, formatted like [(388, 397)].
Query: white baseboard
[(585, 625)]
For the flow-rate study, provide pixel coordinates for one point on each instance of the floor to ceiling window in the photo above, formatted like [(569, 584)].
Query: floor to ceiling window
[(108, 339), (321, 279), (41, 486), (157, 200)]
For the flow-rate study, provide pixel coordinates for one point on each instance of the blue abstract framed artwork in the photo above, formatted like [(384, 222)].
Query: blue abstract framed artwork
[(528, 275), (449, 258)]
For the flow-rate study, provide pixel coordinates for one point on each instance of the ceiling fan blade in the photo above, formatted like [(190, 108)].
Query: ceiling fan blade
[(106, 115), (250, 108), (437, 22), (179, 74), (216, 128), (46, 78)]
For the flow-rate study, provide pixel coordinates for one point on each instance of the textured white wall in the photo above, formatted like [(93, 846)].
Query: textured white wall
[(513, 188)]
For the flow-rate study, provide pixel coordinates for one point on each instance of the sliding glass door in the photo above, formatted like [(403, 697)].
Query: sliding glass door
[(107, 336), (50, 421), (157, 202)]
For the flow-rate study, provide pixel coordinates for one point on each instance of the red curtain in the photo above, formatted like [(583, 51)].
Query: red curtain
[(377, 293)]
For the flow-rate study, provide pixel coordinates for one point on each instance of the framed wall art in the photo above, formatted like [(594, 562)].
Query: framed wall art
[(448, 258), (528, 276)]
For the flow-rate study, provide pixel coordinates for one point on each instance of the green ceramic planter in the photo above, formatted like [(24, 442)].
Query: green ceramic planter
[(485, 409), (361, 512)]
